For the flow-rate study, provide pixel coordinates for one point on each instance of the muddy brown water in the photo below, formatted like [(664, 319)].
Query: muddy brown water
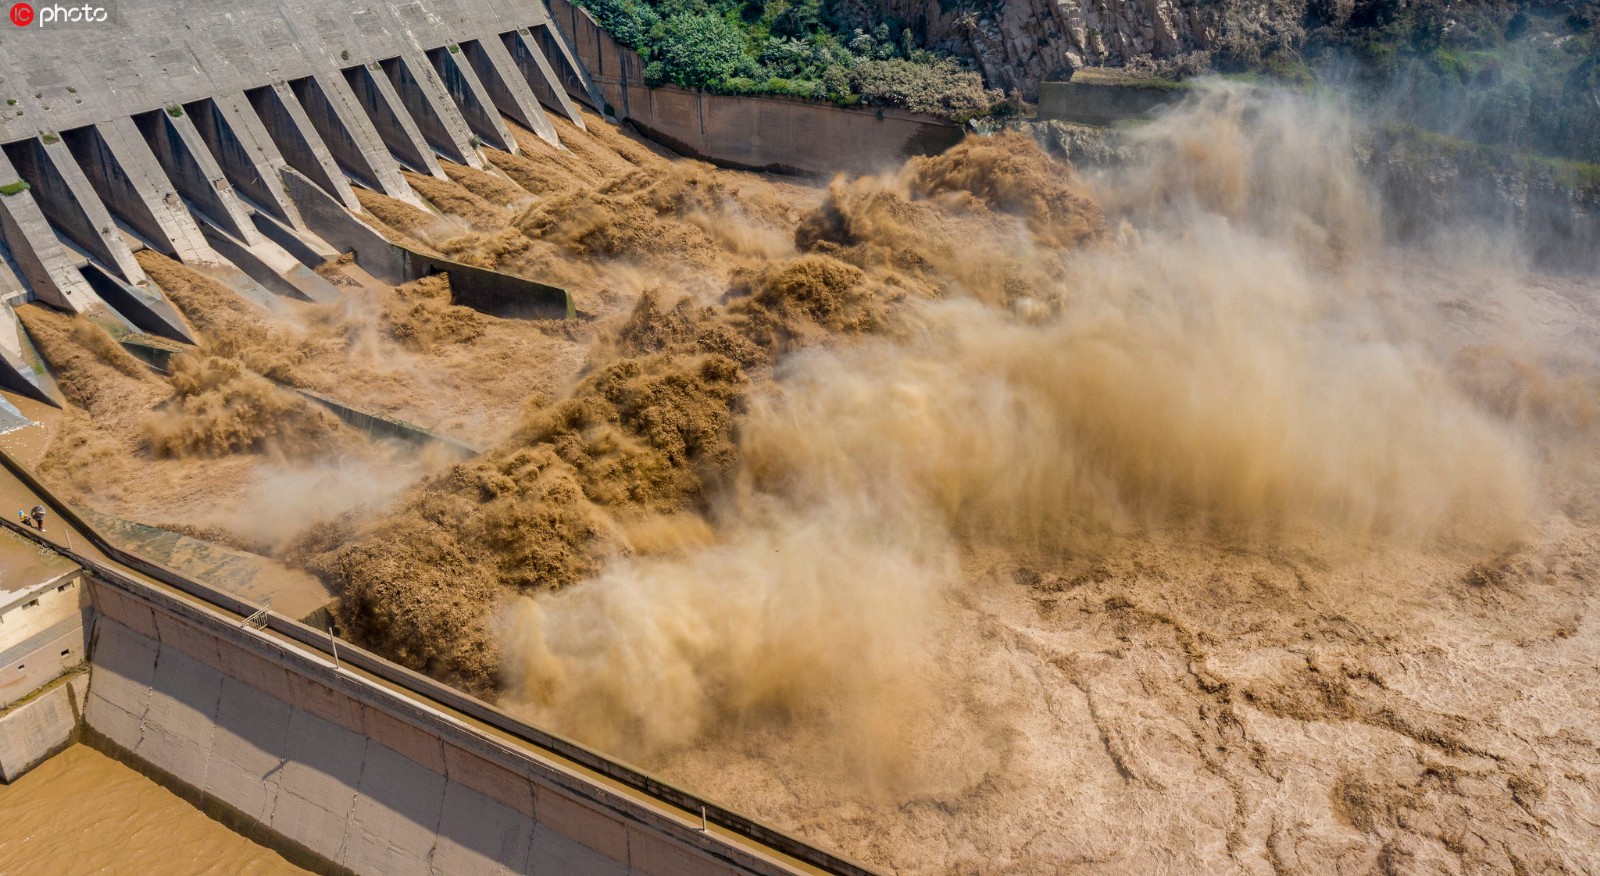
[(81, 813)]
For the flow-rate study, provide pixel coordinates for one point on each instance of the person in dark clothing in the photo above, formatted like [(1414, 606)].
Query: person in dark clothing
[(38, 517)]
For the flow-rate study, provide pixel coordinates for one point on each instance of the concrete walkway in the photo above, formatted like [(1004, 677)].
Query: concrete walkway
[(15, 496), (24, 564), (255, 579)]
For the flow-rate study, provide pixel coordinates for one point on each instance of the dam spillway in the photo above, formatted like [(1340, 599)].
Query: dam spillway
[(233, 138), (229, 138)]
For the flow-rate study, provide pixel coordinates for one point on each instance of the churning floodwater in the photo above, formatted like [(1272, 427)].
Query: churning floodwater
[(987, 515)]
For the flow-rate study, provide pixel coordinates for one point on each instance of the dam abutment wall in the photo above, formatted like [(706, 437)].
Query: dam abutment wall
[(781, 134), (344, 774)]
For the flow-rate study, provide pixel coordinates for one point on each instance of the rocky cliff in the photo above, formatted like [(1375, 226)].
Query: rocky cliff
[(1427, 186), (1020, 43)]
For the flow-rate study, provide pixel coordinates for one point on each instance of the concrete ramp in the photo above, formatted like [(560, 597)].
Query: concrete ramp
[(489, 291), (145, 308), (22, 369), (251, 577)]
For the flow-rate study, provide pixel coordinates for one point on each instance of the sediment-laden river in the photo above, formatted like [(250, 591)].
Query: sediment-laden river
[(82, 813)]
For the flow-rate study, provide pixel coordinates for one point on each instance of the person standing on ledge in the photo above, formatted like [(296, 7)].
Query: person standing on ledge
[(38, 517)]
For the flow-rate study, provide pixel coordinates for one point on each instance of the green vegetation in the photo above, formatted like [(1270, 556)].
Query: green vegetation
[(1518, 74), (50, 138), (14, 188), (1582, 178), (175, 111), (794, 48), (1122, 78), (1505, 74)]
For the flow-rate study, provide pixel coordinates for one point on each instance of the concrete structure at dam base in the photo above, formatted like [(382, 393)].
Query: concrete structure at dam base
[(49, 721)]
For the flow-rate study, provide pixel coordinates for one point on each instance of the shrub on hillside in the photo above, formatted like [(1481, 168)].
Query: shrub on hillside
[(699, 50), (937, 87), (628, 21), (792, 48)]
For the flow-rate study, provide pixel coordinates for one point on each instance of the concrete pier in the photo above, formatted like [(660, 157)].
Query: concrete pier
[(125, 172), (48, 267), (429, 103), (248, 157), (508, 85), (226, 222), (299, 142), (147, 309), (21, 368), (336, 113), (527, 50), (391, 119), (194, 172), (472, 96), (71, 204)]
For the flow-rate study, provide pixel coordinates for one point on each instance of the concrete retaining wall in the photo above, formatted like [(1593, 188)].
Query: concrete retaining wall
[(493, 292), (484, 290), (380, 426), (759, 133), (158, 355), (344, 775), (1101, 103), (32, 732)]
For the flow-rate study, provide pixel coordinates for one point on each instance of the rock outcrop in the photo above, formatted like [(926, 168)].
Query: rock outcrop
[(1427, 187), (1020, 43)]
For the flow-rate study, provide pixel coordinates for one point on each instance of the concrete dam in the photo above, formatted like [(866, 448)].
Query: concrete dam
[(232, 137)]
